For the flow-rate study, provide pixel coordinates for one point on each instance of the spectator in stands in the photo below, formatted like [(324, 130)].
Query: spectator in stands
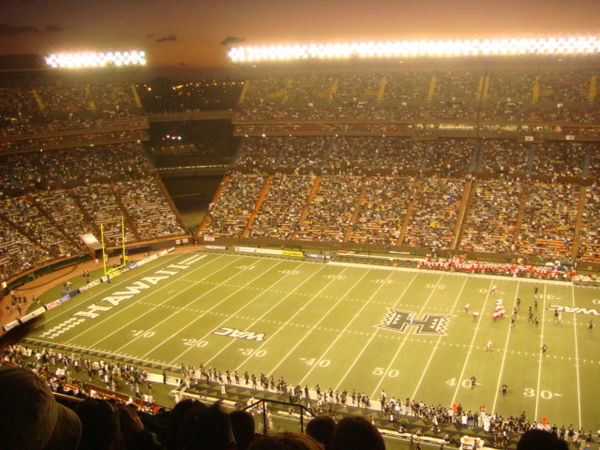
[(541, 440), (242, 424), (356, 433), (321, 429), (30, 418), (100, 425), (207, 428), (286, 441)]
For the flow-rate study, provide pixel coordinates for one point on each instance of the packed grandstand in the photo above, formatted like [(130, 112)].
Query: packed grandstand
[(498, 164)]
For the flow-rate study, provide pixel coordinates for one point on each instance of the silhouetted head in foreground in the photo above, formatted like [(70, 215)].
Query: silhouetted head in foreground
[(541, 440), (286, 441), (321, 429), (207, 428), (242, 424), (356, 433), (30, 418)]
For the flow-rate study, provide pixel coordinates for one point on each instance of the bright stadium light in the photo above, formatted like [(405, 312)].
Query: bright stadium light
[(94, 59), (564, 45)]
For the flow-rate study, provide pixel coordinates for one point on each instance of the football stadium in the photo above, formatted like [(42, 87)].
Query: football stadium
[(395, 237)]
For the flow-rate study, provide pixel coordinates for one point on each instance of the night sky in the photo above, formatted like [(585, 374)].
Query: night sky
[(189, 32)]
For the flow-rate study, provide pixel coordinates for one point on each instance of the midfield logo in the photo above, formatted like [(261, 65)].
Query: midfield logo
[(397, 320)]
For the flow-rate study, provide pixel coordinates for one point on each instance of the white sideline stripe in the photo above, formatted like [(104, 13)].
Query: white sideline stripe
[(373, 334), (576, 358), (537, 392), (135, 338), (437, 344), (479, 319), (264, 272), (295, 314), (505, 353), (406, 335), (134, 302), (259, 318), (453, 274), (317, 324), (151, 267)]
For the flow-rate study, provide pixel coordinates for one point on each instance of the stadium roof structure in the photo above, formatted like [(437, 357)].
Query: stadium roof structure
[(566, 45)]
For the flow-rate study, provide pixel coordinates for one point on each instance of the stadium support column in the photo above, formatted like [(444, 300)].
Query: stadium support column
[(90, 98), (409, 211), (381, 90), (579, 221), (136, 97), (593, 92), (462, 213), (257, 206), (535, 90), (38, 100), (215, 199), (431, 90), (244, 92)]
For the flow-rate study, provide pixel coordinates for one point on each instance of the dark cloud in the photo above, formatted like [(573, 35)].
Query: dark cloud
[(54, 29), (168, 38), (8, 2), (9, 30), (229, 40)]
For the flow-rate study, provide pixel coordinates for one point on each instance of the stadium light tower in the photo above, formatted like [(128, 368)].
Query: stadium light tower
[(566, 45), (96, 59)]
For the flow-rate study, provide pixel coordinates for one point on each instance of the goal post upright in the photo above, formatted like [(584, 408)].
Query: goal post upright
[(103, 247), (124, 256)]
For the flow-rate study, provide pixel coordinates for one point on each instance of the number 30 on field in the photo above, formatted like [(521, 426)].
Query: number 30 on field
[(546, 395)]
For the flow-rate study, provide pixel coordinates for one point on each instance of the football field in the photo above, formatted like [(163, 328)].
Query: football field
[(348, 327)]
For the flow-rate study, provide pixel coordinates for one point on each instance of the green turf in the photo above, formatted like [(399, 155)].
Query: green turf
[(320, 323)]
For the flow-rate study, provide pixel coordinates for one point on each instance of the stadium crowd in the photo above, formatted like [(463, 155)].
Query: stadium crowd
[(48, 199), (50, 109), (164, 96), (517, 96), (509, 197), (101, 418)]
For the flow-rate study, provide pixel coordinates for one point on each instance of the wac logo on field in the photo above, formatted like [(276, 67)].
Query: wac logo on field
[(240, 334), (397, 320)]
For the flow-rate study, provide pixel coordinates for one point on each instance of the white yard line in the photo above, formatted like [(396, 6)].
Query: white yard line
[(539, 378), (373, 335), (109, 287), (290, 319), (576, 357), (401, 346), (505, 352), (479, 319), (149, 293), (309, 332), (437, 343), (228, 318), (194, 300), (262, 316)]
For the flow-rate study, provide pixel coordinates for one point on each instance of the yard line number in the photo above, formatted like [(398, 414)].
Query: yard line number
[(252, 352), (143, 333), (380, 371), (313, 361), (546, 395), (194, 343)]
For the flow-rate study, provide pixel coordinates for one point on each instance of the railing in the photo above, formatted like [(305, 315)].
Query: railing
[(303, 410)]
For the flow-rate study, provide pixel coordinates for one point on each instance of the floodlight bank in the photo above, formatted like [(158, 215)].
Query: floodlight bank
[(441, 48), (94, 59)]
